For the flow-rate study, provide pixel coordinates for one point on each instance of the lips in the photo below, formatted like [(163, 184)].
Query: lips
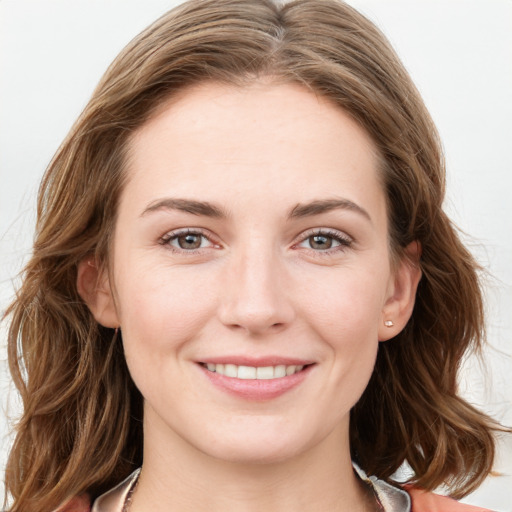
[(256, 379)]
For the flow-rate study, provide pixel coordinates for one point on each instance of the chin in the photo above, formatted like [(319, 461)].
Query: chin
[(267, 444), (255, 453)]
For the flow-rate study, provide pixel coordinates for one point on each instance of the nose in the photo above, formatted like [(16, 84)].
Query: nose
[(254, 297)]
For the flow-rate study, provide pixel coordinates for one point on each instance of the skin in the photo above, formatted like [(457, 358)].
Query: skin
[(257, 285)]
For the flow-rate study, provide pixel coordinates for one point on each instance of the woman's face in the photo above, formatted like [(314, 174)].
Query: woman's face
[(251, 271)]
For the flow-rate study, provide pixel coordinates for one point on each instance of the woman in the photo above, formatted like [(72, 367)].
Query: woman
[(243, 281)]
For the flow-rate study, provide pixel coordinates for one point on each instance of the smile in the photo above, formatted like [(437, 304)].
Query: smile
[(261, 381), (253, 372)]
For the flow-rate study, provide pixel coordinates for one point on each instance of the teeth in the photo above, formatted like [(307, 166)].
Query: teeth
[(252, 372), (265, 372), (246, 372), (280, 371), (293, 369), (230, 370)]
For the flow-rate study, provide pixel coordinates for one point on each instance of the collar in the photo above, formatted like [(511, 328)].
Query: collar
[(391, 498), (113, 500)]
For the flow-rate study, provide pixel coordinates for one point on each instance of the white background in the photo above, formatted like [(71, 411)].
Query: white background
[(459, 52)]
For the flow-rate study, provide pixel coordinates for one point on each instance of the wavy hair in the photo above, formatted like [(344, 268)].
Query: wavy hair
[(81, 429)]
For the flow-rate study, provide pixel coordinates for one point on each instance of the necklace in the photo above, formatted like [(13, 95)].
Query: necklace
[(129, 496)]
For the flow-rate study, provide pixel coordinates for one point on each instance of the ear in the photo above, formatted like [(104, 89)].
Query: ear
[(94, 287), (401, 294)]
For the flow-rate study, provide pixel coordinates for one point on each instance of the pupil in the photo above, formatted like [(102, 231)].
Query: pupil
[(320, 242), (189, 241)]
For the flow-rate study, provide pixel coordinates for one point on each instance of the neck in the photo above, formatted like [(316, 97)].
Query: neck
[(176, 476)]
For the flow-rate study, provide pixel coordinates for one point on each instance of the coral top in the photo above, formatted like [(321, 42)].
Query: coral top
[(428, 502)]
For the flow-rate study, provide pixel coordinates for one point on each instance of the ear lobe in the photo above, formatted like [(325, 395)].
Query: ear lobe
[(400, 303), (94, 287)]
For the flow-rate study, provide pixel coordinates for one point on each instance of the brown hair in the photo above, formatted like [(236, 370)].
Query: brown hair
[(81, 426)]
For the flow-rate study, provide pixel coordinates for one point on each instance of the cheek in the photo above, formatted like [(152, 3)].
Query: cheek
[(346, 316), (160, 311), (349, 302), (161, 296)]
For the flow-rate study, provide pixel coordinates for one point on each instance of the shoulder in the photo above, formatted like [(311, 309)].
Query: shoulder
[(423, 501), (80, 503), (112, 500)]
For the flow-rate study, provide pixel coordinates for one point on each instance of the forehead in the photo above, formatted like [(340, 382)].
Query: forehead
[(216, 139)]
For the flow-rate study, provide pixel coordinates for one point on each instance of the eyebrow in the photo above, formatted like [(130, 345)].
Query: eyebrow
[(186, 205), (326, 205), (206, 209)]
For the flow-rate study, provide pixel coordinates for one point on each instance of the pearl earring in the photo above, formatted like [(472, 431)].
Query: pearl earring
[(389, 323)]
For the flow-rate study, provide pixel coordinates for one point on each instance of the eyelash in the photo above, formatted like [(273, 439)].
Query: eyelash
[(344, 241)]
